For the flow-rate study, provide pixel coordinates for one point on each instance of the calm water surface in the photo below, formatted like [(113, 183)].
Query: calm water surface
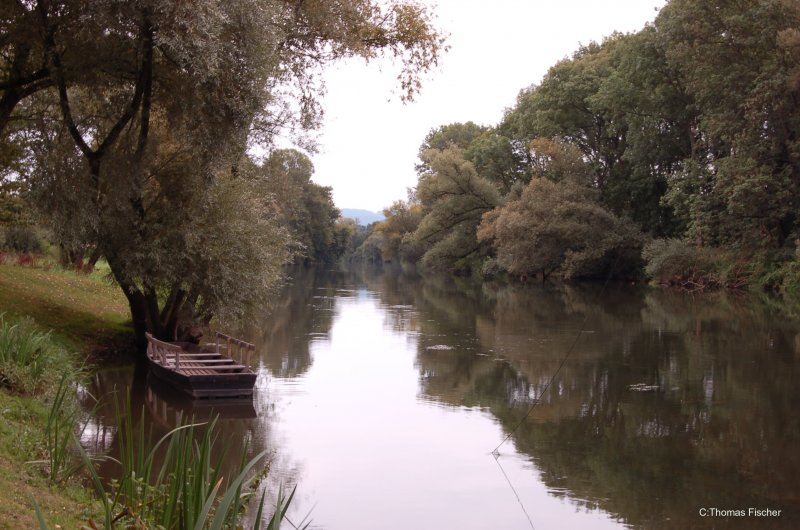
[(383, 397)]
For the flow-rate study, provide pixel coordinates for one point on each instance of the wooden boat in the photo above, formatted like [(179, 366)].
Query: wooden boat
[(169, 407), (209, 371)]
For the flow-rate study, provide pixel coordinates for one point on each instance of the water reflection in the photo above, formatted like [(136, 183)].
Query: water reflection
[(666, 404), (382, 395)]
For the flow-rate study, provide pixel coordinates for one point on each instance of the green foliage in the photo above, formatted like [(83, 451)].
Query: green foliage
[(622, 117), (687, 128), (59, 433), (669, 258), (393, 237), (557, 160), (304, 206), (23, 239), (367, 246), (454, 197), (458, 135), (495, 159), (788, 281), (173, 482), (678, 263), (281, 506), (738, 64), (28, 357), (559, 226), (15, 208), (489, 150), (32, 363), (135, 130), (234, 258), (778, 273)]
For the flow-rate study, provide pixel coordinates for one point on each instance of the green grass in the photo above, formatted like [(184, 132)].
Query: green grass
[(184, 490), (68, 505), (39, 451), (87, 312), (88, 316)]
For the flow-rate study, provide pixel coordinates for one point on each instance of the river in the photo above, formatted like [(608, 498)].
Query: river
[(394, 402)]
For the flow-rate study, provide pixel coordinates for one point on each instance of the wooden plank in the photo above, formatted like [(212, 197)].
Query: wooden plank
[(213, 366), (205, 361), (192, 355), (231, 374), (201, 360)]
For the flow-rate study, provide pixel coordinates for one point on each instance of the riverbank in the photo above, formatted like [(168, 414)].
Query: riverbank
[(87, 316)]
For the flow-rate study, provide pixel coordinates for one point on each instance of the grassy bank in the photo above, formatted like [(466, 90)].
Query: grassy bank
[(87, 315), (52, 322), (86, 312), (22, 424)]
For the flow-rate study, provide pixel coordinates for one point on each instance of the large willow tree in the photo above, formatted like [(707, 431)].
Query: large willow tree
[(135, 115)]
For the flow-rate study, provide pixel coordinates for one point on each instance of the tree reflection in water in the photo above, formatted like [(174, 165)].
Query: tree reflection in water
[(667, 404)]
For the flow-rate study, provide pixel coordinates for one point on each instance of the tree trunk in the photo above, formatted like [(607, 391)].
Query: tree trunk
[(138, 308), (136, 302), (88, 268), (170, 314)]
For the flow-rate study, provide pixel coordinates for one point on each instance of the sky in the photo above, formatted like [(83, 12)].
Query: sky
[(369, 139)]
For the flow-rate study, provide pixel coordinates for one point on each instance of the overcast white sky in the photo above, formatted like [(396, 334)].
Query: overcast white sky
[(369, 140)]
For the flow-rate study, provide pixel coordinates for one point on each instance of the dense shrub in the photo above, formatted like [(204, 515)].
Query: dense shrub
[(778, 275), (22, 239), (561, 227), (669, 258), (678, 263)]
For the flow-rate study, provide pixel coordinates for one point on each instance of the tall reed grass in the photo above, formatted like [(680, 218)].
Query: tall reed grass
[(27, 356), (173, 482), (59, 433)]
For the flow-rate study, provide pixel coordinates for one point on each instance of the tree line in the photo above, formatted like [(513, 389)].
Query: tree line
[(125, 129), (672, 151)]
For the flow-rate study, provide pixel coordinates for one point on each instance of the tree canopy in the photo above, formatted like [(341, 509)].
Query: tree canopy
[(686, 129), (453, 197), (134, 120), (305, 208)]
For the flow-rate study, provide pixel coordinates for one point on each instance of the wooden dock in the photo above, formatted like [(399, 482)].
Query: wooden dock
[(220, 369)]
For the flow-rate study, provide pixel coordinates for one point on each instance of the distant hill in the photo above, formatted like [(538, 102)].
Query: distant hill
[(363, 217)]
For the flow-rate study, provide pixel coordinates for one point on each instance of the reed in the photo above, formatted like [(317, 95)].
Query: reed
[(63, 426), (173, 482), (58, 433), (27, 356)]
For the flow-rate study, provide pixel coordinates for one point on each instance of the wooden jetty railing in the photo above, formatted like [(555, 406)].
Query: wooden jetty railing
[(235, 348), (163, 351), (173, 355)]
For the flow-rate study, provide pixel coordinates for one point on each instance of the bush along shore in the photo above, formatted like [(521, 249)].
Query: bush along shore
[(47, 480), (678, 264)]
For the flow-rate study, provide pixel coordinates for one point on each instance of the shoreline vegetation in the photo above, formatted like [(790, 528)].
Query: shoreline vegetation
[(87, 318), (669, 154), (54, 324)]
